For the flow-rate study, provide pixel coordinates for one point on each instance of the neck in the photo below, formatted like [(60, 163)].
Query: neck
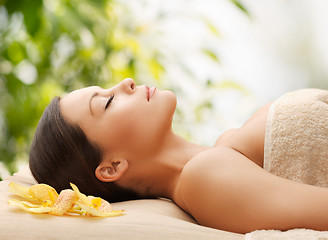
[(161, 170)]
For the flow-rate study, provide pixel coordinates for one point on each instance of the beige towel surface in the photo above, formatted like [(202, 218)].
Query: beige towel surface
[(296, 141), (296, 148), (294, 234)]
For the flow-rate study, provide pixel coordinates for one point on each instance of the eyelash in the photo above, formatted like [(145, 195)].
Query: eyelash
[(109, 101)]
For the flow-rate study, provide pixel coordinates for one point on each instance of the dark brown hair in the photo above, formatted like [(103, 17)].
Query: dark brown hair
[(61, 153)]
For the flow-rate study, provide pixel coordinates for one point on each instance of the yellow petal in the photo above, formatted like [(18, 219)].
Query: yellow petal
[(97, 212), (96, 202), (44, 193), (20, 190), (75, 211), (65, 202), (20, 204), (53, 195), (105, 206), (29, 204), (82, 197)]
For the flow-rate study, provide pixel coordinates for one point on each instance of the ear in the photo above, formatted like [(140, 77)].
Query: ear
[(110, 171)]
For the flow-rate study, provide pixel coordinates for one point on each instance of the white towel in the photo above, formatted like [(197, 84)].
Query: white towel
[(294, 234), (296, 148), (296, 138)]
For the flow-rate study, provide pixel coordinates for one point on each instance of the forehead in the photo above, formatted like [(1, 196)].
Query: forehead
[(81, 92), (79, 96), (75, 104)]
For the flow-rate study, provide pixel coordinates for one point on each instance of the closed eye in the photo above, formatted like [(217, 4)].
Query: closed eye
[(109, 101)]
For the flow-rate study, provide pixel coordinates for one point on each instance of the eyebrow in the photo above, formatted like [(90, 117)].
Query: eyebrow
[(92, 96)]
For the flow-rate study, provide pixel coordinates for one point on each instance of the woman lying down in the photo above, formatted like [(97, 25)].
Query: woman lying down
[(118, 144)]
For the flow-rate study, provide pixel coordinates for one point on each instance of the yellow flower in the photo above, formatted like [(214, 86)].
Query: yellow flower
[(42, 198), (94, 205)]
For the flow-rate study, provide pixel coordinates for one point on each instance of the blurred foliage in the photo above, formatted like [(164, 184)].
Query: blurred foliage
[(54, 46), (240, 6)]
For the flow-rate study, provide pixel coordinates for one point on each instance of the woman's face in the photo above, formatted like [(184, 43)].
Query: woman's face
[(125, 119)]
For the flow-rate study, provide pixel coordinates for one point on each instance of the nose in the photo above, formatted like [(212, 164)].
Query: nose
[(127, 85)]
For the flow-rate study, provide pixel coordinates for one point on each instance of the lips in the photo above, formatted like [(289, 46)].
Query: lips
[(150, 92)]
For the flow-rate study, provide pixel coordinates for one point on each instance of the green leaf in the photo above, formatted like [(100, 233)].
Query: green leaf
[(31, 10), (240, 6), (211, 54), (211, 26)]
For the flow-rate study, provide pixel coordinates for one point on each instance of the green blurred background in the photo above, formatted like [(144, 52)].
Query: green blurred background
[(222, 58), (50, 47)]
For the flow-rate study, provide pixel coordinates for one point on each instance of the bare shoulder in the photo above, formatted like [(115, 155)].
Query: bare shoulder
[(210, 187), (223, 189), (216, 163)]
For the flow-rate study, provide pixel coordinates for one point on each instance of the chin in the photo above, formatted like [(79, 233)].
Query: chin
[(164, 106), (171, 100)]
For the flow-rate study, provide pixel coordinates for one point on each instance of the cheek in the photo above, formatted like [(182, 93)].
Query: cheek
[(143, 124), (152, 122)]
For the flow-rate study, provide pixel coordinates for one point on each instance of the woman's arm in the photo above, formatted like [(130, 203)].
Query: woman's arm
[(223, 189)]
